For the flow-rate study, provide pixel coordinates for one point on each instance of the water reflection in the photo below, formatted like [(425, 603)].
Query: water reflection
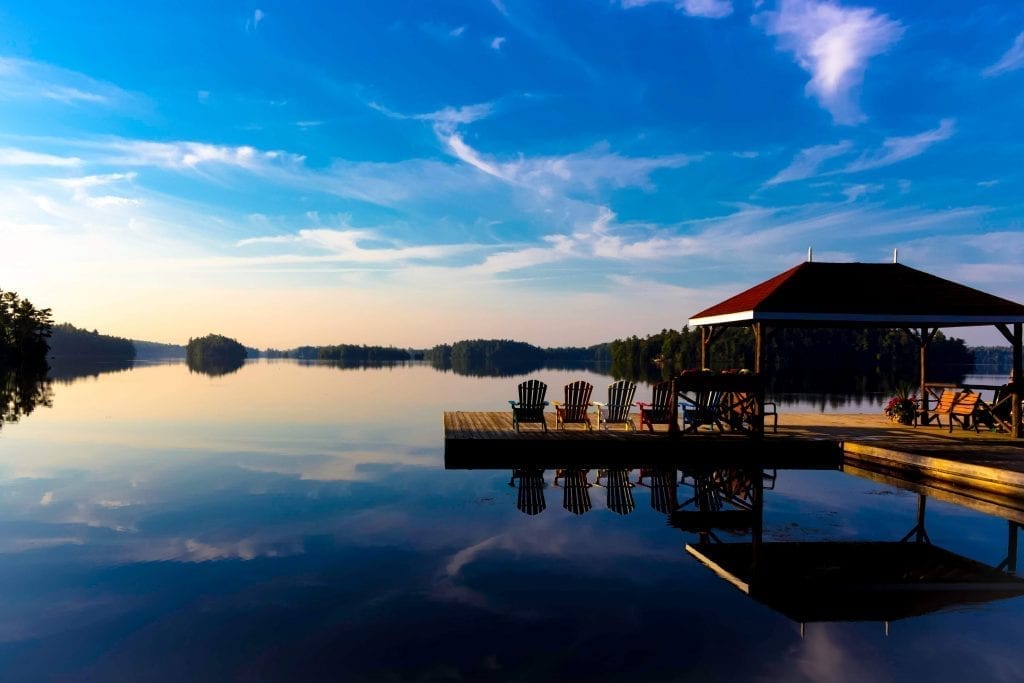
[(291, 522), (215, 367), (807, 581), (22, 390)]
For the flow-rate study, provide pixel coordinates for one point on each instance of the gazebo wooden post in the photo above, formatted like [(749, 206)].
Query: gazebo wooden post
[(705, 341), (1018, 380), (1016, 376), (758, 347), (923, 340)]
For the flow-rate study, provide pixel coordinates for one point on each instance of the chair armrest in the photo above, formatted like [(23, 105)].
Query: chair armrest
[(555, 403), (513, 403), (599, 404)]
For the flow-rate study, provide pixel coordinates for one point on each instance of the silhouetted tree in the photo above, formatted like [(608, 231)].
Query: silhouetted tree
[(24, 331)]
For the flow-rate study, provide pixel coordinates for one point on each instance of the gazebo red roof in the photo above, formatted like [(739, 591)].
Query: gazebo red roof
[(865, 294)]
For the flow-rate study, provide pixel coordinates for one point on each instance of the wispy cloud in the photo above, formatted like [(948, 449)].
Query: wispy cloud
[(1011, 60), (350, 245), (709, 9), (808, 161), (183, 155), (25, 80), (497, 42), (898, 149), (582, 170), (10, 156), (833, 44), (445, 120)]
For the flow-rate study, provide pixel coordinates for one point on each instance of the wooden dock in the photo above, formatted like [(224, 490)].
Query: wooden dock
[(987, 462), (475, 440)]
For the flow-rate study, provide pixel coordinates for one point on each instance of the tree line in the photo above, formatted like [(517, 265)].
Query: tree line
[(802, 357)]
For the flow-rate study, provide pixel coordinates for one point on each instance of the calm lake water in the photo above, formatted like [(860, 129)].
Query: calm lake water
[(296, 522)]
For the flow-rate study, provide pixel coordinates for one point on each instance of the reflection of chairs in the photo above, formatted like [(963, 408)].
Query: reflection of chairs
[(530, 406), (664, 488), (530, 497), (577, 403), (618, 490), (620, 401), (659, 410), (575, 490)]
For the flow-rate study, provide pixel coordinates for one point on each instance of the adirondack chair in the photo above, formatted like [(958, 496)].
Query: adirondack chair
[(577, 403), (706, 409), (659, 410), (530, 406), (620, 401)]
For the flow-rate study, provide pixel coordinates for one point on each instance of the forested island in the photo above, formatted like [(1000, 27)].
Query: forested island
[(214, 354), (508, 357)]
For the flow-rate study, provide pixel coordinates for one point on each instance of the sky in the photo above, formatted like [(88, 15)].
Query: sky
[(563, 173)]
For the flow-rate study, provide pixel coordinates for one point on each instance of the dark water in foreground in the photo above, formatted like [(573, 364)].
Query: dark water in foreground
[(290, 522)]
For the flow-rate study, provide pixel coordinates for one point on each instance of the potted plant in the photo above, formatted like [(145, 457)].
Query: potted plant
[(902, 407)]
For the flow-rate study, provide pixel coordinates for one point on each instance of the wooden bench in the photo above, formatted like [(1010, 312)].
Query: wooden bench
[(964, 407)]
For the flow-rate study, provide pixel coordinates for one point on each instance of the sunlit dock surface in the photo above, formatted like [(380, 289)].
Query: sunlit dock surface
[(989, 462), (487, 440)]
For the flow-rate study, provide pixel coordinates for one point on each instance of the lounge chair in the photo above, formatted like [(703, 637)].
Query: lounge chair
[(705, 409), (576, 406), (620, 402), (659, 410), (531, 403)]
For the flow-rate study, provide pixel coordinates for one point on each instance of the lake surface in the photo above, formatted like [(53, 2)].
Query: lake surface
[(296, 522)]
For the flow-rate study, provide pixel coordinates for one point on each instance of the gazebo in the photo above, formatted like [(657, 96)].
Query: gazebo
[(830, 295)]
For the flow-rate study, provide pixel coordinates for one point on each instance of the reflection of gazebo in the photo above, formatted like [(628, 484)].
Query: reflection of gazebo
[(886, 295), (848, 580), (851, 581)]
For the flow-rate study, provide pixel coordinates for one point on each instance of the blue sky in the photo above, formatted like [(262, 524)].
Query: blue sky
[(566, 172)]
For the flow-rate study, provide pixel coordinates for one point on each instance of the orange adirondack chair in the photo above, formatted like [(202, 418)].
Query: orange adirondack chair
[(576, 406)]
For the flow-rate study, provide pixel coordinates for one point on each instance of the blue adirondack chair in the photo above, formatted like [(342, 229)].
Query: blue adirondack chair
[(531, 403)]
